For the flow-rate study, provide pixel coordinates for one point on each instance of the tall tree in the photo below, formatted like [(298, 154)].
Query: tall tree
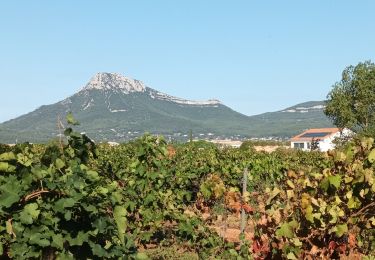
[(351, 102)]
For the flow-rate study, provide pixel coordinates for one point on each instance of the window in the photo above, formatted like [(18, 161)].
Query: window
[(308, 145), (299, 145)]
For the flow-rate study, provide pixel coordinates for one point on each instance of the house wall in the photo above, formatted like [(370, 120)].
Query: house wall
[(326, 143), (304, 145)]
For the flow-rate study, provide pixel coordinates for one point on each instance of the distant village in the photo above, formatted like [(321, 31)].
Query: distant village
[(321, 139)]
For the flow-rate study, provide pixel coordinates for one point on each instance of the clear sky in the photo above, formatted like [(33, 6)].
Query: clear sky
[(254, 56)]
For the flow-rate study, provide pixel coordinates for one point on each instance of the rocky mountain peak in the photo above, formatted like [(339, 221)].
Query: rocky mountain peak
[(114, 81)]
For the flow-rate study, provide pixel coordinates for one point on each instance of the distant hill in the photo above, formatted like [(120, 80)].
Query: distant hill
[(112, 107), (290, 121)]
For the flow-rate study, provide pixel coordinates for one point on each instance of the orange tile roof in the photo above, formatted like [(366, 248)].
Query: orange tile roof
[(329, 131)]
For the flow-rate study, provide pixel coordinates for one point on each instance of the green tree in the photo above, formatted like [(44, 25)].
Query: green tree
[(351, 102)]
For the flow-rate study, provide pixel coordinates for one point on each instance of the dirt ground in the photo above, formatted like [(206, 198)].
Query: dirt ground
[(229, 228), (269, 148)]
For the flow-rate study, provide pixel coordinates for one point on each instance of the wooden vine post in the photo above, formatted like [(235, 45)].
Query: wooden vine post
[(244, 190)]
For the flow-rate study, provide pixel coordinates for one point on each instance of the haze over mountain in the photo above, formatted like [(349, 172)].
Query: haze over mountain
[(111, 107)]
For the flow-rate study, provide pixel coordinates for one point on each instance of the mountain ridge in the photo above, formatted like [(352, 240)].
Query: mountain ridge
[(112, 107), (117, 82)]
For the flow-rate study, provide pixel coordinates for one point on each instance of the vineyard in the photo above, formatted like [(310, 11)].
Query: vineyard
[(147, 199)]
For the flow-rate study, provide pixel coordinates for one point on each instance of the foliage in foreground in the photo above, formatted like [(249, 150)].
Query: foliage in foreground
[(324, 213), (79, 200), (54, 205)]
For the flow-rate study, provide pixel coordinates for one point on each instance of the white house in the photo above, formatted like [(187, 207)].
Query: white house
[(323, 137)]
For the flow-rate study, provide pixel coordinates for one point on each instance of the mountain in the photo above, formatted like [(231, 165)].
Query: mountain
[(116, 108), (292, 120)]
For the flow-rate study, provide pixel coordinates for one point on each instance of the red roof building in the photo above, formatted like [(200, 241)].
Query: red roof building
[(322, 137)]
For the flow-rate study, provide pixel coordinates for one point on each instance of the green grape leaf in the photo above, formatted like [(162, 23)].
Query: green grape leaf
[(119, 214), (59, 164), (98, 250), (93, 175), (141, 256), (39, 239), (324, 184), (335, 180), (57, 241), (10, 192), (286, 230), (63, 203), (81, 238), (29, 213)]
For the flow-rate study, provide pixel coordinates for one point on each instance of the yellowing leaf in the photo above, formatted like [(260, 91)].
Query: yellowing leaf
[(290, 194), (341, 230), (372, 220), (340, 156), (315, 202), (348, 179), (353, 203), (308, 214), (363, 192), (297, 242), (292, 174), (4, 166), (290, 184), (371, 156), (7, 156), (141, 256), (305, 200), (367, 142), (291, 256), (273, 194), (9, 227)]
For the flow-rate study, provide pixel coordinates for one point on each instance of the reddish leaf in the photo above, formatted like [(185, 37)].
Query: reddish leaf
[(248, 209), (260, 247), (352, 240), (341, 248), (256, 246), (332, 245)]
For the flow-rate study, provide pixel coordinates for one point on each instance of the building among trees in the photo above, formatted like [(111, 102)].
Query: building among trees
[(317, 139)]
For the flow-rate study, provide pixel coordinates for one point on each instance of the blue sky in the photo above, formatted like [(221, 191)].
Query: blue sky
[(254, 56)]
